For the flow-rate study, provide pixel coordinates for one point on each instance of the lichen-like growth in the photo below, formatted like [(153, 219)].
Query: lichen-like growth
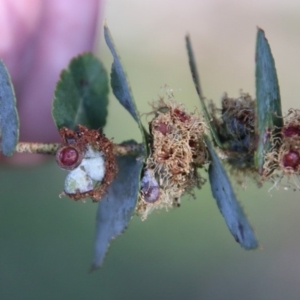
[(177, 150)]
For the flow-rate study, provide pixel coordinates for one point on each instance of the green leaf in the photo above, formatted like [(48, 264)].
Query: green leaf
[(9, 120), (81, 94), (228, 204), (117, 207), (196, 80), (119, 82), (120, 85), (269, 115)]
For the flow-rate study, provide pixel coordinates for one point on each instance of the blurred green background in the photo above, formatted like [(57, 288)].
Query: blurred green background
[(47, 242)]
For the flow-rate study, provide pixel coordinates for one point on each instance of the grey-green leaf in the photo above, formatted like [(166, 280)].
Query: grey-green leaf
[(196, 80), (9, 120), (119, 82), (81, 94), (269, 115), (228, 204), (117, 207)]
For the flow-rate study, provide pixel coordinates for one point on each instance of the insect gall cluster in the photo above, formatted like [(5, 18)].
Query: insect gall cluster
[(88, 156), (177, 150)]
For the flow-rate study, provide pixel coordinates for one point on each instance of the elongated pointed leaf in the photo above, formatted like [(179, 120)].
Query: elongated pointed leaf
[(228, 204), (9, 120), (120, 84), (196, 80), (117, 207), (269, 115), (81, 94)]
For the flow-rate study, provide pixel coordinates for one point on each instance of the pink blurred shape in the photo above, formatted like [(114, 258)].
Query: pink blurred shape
[(38, 39)]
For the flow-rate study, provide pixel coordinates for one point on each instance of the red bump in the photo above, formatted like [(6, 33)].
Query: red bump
[(163, 128), (291, 131), (291, 159), (68, 157), (181, 115)]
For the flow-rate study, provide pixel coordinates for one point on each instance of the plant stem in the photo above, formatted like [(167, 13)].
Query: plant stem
[(37, 148), (51, 148)]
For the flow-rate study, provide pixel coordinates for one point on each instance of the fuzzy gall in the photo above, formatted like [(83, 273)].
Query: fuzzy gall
[(177, 150)]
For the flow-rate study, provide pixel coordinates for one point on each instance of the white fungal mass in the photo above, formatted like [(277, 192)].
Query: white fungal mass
[(92, 167), (93, 164), (78, 181)]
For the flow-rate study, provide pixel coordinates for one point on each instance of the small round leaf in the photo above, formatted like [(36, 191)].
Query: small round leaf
[(81, 94)]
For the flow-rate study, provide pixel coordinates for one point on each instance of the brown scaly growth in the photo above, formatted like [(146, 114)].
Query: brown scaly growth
[(177, 151), (284, 157), (235, 126), (81, 140), (235, 123)]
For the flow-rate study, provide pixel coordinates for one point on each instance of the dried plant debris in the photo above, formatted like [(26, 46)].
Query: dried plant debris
[(88, 155), (235, 126), (177, 150), (284, 158)]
